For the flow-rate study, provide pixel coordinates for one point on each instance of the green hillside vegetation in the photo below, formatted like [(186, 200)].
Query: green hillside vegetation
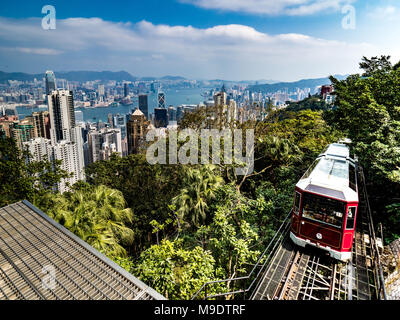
[(314, 103)]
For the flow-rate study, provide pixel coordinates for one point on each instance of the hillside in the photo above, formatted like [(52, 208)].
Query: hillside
[(292, 86)]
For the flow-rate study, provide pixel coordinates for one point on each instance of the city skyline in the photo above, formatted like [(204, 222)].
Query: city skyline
[(204, 39)]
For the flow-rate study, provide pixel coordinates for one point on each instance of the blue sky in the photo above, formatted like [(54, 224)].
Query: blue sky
[(204, 39)]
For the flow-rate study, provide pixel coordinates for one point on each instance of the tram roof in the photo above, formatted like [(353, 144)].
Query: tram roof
[(338, 150), (330, 175)]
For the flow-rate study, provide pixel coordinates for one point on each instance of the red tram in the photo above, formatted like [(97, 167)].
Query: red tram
[(326, 202)]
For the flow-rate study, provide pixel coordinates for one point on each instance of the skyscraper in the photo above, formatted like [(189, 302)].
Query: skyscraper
[(220, 99), (161, 99), (23, 131), (144, 105), (136, 128), (101, 90), (50, 82), (110, 120), (40, 149), (160, 117), (42, 124), (119, 122), (103, 143), (180, 112), (62, 115), (152, 87), (66, 137), (171, 114), (69, 154), (78, 116), (126, 90)]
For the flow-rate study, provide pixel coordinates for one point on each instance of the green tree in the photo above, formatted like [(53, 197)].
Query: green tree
[(98, 216), (375, 64), (147, 189), (233, 232), (20, 180), (368, 112), (199, 189), (175, 272)]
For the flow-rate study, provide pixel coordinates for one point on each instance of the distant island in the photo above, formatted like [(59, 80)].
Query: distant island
[(292, 86), (83, 76)]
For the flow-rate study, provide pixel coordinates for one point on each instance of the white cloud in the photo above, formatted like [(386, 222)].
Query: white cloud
[(272, 7), (40, 51), (224, 51), (388, 13)]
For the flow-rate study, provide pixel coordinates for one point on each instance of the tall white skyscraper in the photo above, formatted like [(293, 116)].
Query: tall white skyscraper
[(62, 115), (66, 137), (68, 153)]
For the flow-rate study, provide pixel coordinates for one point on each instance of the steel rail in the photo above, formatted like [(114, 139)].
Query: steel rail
[(275, 241), (378, 265)]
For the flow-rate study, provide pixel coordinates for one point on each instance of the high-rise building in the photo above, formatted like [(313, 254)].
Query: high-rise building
[(171, 114), (40, 149), (110, 120), (179, 113), (103, 143), (160, 117), (152, 87), (7, 122), (50, 82), (119, 122), (161, 100), (23, 131), (126, 89), (62, 115), (232, 112), (144, 105), (137, 128), (40, 94), (66, 137), (101, 90), (78, 116), (220, 99), (69, 155), (42, 124)]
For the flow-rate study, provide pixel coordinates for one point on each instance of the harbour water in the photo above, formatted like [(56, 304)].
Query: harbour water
[(173, 97)]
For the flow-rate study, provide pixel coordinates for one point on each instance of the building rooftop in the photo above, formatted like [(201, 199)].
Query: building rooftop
[(138, 113), (41, 260)]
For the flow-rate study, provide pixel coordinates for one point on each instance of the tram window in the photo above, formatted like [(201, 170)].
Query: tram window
[(323, 209), (352, 177), (351, 217), (297, 202)]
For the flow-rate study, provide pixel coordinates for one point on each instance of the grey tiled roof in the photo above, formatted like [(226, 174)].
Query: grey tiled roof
[(40, 259)]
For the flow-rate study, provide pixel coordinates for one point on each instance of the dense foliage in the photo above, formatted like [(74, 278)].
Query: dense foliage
[(314, 103), (97, 215), (368, 112), (20, 180)]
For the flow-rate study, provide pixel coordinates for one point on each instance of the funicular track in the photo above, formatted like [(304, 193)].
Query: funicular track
[(293, 273)]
